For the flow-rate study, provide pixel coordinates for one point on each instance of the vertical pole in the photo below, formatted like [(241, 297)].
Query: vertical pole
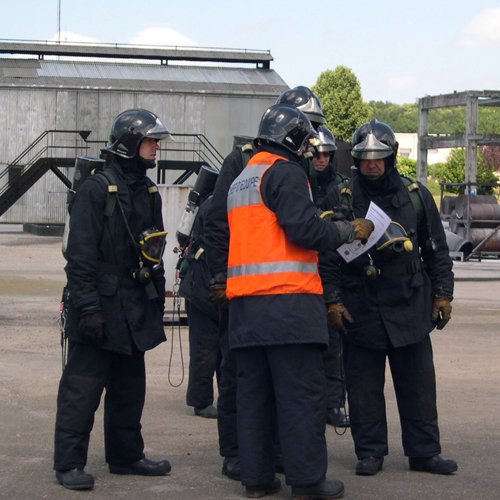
[(423, 131), (58, 21), (471, 111)]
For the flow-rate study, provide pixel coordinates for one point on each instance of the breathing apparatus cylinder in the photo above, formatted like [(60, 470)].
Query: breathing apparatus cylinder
[(84, 166), (204, 185)]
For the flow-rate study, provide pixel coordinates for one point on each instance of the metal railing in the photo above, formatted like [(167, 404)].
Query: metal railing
[(187, 148), (186, 153), (32, 155)]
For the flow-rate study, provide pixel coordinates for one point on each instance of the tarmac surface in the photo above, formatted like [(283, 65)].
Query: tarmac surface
[(467, 355)]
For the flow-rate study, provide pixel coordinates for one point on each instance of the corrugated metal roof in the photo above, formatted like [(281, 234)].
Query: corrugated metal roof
[(140, 76)]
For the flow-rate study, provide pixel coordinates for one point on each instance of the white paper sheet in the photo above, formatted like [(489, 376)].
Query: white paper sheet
[(381, 221)]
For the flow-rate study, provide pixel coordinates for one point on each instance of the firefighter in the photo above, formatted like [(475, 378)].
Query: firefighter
[(115, 313), (388, 301), (203, 319), (325, 182), (277, 320), (217, 239)]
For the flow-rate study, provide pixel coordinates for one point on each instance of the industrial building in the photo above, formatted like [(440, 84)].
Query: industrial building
[(58, 102)]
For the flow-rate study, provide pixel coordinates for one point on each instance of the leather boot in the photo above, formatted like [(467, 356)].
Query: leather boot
[(231, 467), (369, 466), (209, 411), (327, 489), (144, 467), (75, 479), (434, 465)]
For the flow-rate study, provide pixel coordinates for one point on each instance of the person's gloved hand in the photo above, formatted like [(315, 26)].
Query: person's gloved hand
[(441, 311), (91, 327), (217, 293), (337, 313), (362, 228)]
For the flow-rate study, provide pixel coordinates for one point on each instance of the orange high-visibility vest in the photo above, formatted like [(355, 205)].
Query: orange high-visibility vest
[(262, 260)]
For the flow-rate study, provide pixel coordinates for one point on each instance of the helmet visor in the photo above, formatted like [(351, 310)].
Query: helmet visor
[(158, 131), (371, 149)]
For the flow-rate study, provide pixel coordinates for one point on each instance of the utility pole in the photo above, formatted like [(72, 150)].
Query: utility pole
[(58, 21)]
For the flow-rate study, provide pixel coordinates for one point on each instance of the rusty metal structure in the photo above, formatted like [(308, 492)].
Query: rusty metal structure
[(474, 224), (470, 139), (474, 220)]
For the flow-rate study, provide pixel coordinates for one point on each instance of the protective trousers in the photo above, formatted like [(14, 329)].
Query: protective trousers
[(88, 372), (412, 370), (204, 357), (334, 371), (286, 383), (226, 402)]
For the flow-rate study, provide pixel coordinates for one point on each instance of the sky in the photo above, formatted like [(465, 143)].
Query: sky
[(399, 50)]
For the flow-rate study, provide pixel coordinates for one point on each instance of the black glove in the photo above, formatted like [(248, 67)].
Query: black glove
[(217, 292), (441, 311), (91, 327), (337, 313)]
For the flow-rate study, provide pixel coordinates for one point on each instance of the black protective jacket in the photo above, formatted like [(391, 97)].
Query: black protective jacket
[(286, 318), (195, 274), (395, 307), (216, 228), (101, 258)]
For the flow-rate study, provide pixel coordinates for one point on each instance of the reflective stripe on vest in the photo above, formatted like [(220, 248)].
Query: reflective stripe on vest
[(262, 261)]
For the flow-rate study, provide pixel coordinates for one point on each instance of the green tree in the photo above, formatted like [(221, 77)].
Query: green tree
[(407, 167), (340, 94), (453, 171), (402, 118), (489, 120)]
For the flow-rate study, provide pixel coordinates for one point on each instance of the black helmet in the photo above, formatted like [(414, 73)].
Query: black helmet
[(306, 100), (130, 128), (285, 125), (325, 142), (374, 140)]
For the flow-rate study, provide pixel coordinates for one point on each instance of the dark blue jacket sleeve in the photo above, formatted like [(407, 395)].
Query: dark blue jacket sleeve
[(285, 191), (216, 228)]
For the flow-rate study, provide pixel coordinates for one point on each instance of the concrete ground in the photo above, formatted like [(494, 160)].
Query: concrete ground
[(31, 279)]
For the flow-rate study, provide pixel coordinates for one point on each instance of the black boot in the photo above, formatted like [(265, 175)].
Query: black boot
[(325, 490), (144, 467), (209, 411), (75, 479), (369, 466), (434, 465), (231, 468)]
